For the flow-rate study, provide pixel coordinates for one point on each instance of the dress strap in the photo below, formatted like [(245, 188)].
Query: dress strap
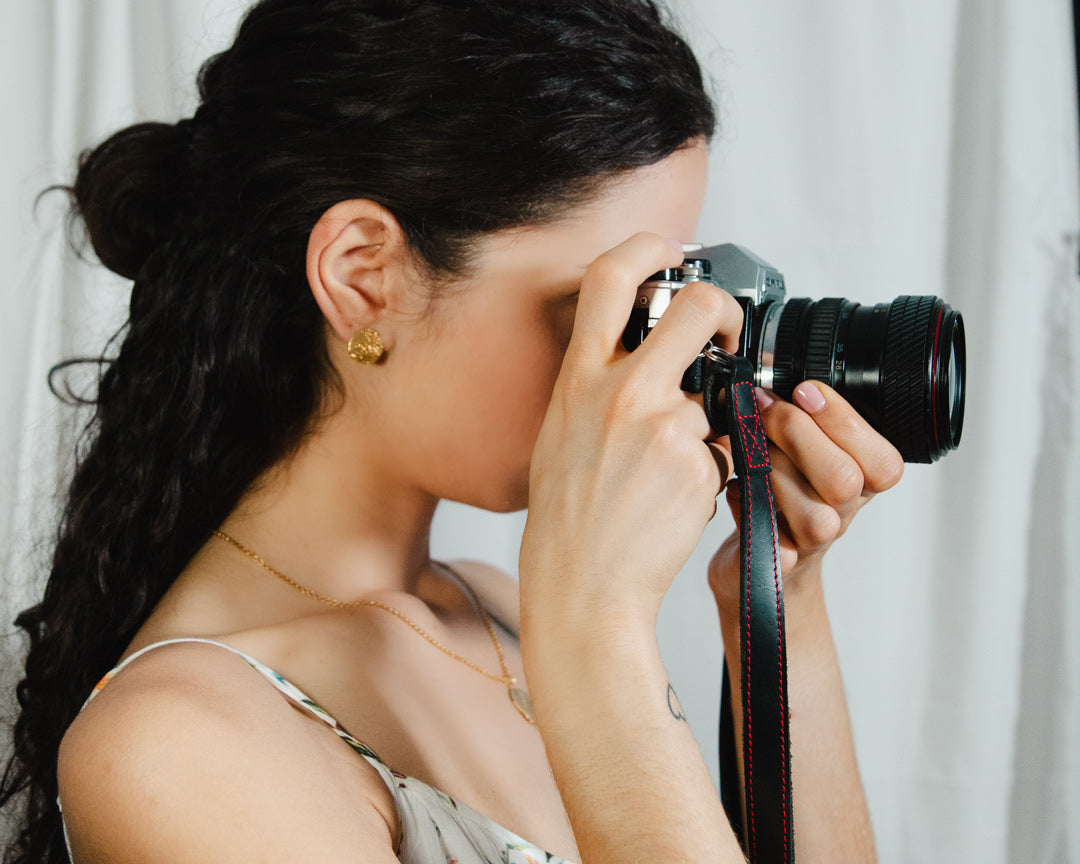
[(289, 690)]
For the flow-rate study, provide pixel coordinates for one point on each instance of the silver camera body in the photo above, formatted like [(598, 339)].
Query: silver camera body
[(749, 278)]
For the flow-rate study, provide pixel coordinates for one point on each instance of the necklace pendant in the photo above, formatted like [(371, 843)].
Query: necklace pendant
[(522, 702)]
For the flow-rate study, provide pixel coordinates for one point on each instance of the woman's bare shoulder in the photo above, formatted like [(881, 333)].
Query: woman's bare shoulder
[(190, 735)]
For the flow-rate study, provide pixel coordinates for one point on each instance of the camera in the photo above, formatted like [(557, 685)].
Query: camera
[(900, 364)]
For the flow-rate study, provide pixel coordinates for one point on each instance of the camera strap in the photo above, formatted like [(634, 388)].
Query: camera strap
[(763, 816)]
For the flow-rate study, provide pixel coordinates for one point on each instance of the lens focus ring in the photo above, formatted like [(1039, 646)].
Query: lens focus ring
[(905, 388), (786, 351), (821, 339)]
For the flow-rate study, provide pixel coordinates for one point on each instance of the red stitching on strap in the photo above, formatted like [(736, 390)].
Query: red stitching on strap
[(747, 708), (754, 443), (780, 666)]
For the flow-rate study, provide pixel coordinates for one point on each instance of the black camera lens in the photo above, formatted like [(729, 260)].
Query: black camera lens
[(901, 364)]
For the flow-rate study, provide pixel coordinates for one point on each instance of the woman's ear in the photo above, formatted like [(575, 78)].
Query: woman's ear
[(350, 252)]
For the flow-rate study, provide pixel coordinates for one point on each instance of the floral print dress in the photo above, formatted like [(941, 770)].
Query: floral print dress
[(435, 829)]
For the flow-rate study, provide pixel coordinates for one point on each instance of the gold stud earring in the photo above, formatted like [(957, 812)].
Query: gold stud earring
[(366, 346)]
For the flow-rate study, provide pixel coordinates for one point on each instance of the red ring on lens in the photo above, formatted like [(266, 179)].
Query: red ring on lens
[(935, 378)]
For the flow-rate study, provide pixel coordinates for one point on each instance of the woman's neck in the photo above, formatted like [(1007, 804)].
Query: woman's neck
[(336, 517)]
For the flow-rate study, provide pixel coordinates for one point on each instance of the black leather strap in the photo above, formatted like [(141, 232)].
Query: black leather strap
[(766, 815)]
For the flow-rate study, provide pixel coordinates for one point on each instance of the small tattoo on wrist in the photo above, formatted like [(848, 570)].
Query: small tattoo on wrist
[(673, 704)]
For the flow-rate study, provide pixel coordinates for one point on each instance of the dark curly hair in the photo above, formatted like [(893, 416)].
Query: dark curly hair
[(461, 118)]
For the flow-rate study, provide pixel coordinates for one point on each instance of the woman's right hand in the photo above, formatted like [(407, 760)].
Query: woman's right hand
[(622, 480), (622, 484)]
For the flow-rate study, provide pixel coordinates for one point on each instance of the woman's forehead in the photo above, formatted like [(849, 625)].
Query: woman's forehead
[(665, 198)]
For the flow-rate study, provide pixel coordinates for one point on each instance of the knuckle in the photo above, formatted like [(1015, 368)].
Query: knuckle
[(848, 425), (659, 245), (705, 475), (609, 269), (788, 558), (690, 464), (708, 301), (818, 527), (665, 431), (890, 472), (780, 422), (620, 266), (844, 483)]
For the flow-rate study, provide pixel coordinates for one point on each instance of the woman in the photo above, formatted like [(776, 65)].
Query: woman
[(388, 261)]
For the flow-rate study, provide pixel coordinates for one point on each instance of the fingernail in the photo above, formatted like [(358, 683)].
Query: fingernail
[(677, 244), (809, 398), (764, 400)]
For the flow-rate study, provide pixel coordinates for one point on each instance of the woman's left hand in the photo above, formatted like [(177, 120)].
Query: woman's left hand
[(827, 463)]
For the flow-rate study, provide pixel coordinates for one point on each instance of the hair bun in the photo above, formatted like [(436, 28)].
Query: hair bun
[(130, 192)]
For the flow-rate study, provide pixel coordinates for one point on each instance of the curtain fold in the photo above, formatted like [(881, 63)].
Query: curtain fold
[(866, 150)]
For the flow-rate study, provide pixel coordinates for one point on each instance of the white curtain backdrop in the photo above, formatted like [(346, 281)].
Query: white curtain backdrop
[(867, 150)]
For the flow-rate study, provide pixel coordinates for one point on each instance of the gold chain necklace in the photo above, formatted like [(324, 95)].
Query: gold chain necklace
[(518, 696)]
